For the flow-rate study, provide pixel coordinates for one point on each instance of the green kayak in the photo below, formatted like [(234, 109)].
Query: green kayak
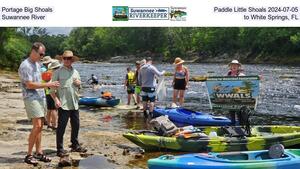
[(262, 137)]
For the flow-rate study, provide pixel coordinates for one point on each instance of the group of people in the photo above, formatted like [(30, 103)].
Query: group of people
[(60, 85), (142, 83), (62, 94)]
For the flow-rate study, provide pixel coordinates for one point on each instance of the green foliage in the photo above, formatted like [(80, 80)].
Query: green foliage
[(14, 48), (102, 43)]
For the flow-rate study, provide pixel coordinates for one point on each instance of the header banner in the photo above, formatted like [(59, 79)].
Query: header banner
[(147, 13)]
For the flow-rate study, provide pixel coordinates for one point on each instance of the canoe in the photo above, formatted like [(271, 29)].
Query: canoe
[(217, 139), (185, 116), (232, 160), (97, 101)]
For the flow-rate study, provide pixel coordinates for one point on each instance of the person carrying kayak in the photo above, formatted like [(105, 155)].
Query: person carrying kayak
[(129, 85), (235, 69), (180, 81), (147, 80)]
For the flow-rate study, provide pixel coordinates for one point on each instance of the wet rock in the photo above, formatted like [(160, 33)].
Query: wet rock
[(64, 161), (125, 152), (138, 156)]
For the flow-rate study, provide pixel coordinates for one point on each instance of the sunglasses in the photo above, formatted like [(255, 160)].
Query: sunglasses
[(42, 54), (67, 58)]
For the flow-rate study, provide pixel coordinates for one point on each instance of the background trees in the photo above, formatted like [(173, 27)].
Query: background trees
[(249, 44)]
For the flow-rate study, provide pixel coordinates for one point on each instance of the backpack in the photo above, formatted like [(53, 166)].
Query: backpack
[(164, 126)]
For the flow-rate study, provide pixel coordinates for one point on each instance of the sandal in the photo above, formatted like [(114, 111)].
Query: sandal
[(29, 159), (43, 158)]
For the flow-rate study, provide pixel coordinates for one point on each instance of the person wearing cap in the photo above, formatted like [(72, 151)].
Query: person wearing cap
[(235, 69), (51, 109), (34, 100), (46, 61), (146, 78), (66, 99), (180, 81), (129, 85)]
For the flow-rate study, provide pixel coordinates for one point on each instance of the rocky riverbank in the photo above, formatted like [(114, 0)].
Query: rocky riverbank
[(114, 150)]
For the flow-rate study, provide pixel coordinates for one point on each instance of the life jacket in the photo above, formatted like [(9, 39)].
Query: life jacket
[(46, 77), (130, 76), (106, 94)]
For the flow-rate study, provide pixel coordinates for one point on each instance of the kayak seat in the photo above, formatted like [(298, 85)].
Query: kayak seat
[(234, 131), (266, 156), (275, 151), (234, 156)]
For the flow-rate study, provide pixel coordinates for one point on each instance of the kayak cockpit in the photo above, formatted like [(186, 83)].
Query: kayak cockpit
[(242, 157)]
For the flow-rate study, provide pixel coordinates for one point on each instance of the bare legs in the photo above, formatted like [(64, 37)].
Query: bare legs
[(52, 118), (181, 96), (35, 136)]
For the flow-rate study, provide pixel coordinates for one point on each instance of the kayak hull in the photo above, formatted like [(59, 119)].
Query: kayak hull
[(239, 160), (262, 138), (95, 101), (189, 117)]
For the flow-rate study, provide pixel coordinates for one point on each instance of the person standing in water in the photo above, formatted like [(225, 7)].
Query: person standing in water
[(180, 81), (235, 69), (129, 85), (147, 80)]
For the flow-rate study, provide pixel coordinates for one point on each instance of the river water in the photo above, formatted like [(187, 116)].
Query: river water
[(279, 93)]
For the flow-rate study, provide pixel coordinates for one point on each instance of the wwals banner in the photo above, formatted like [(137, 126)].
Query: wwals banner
[(232, 93)]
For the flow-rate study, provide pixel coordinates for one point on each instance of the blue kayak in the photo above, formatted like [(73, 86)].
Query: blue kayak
[(97, 101), (185, 116), (232, 160)]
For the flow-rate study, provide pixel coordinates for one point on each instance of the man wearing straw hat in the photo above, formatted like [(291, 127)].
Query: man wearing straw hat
[(34, 100), (66, 99)]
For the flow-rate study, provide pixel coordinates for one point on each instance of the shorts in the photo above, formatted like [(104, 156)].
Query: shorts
[(94, 82), (50, 103), (180, 84), (137, 90), (35, 108), (148, 94), (130, 89)]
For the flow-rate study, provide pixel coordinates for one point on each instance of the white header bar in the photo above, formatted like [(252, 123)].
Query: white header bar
[(149, 13)]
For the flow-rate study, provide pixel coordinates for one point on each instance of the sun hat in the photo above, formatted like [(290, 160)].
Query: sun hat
[(46, 59), (54, 64), (68, 53), (149, 59), (234, 62), (137, 62), (142, 62), (178, 61)]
